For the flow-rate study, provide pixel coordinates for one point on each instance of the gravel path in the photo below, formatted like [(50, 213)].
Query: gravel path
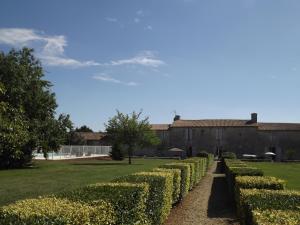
[(206, 204)]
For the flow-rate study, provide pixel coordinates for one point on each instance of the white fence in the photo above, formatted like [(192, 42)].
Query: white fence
[(76, 151)]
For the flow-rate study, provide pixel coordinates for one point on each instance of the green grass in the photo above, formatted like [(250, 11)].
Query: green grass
[(48, 177), (286, 171)]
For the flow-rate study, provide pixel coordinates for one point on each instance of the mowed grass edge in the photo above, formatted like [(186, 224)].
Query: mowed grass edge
[(287, 171), (48, 177)]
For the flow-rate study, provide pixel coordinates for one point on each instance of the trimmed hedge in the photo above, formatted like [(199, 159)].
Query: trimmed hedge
[(128, 200), (228, 155), (204, 165), (53, 211), (261, 199), (257, 182), (272, 217), (197, 164), (185, 176), (176, 181), (192, 174), (159, 203)]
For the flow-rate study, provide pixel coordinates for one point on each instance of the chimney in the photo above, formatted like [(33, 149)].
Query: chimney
[(177, 117), (253, 117)]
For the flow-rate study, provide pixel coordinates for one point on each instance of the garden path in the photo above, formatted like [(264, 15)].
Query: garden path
[(207, 204)]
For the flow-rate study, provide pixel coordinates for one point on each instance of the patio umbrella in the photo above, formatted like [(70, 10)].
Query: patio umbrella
[(270, 153)]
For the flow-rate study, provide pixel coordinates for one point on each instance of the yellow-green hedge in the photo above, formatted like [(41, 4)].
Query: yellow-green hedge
[(185, 176), (176, 182), (159, 202), (53, 211), (197, 164), (128, 199), (274, 217), (262, 199), (192, 174), (257, 182)]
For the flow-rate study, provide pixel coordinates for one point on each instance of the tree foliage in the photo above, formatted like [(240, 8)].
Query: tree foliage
[(83, 128), (27, 110), (130, 131)]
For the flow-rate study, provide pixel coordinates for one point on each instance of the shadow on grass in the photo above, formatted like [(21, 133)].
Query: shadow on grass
[(106, 164)]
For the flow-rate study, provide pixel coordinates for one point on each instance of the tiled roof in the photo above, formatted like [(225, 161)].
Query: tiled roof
[(279, 126), (91, 135), (160, 126), (213, 123)]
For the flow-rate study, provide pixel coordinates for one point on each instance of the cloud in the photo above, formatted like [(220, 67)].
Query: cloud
[(136, 20), (105, 78), (111, 19), (145, 58), (50, 49), (149, 27), (140, 12)]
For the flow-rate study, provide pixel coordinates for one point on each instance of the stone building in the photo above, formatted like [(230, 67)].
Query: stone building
[(239, 136)]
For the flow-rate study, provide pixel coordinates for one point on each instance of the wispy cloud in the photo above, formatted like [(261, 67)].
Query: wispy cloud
[(111, 19), (140, 12), (145, 58), (136, 20), (50, 49), (149, 27), (106, 78)]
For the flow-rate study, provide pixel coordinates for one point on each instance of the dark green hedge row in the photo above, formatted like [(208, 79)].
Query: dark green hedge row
[(273, 217), (55, 211), (128, 199)]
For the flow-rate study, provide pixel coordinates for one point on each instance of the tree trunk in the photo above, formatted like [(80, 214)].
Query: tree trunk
[(129, 155)]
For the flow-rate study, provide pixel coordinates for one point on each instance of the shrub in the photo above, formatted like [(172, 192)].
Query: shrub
[(116, 153), (192, 174), (257, 182), (197, 165), (185, 176), (176, 182), (52, 211), (261, 199), (159, 201), (272, 217), (202, 154), (127, 199), (228, 155)]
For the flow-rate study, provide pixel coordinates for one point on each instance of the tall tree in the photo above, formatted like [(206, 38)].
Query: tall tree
[(29, 94), (83, 128), (131, 131)]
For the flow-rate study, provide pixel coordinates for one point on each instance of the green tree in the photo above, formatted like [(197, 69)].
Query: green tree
[(29, 102), (83, 128), (131, 132)]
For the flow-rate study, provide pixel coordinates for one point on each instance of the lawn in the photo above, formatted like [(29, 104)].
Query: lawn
[(54, 176), (287, 171)]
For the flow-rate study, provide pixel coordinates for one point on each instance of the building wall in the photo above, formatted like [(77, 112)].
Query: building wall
[(241, 140)]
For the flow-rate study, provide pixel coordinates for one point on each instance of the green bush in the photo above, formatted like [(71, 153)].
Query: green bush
[(257, 182), (185, 176), (203, 165), (159, 202), (176, 182), (261, 199), (52, 211), (127, 199), (197, 164), (228, 155), (192, 174), (273, 217)]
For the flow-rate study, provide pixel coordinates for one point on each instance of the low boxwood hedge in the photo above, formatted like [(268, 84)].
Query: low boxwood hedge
[(197, 164), (203, 165), (176, 182), (192, 174), (185, 176), (273, 217), (255, 182), (262, 199), (53, 211), (128, 199), (159, 202)]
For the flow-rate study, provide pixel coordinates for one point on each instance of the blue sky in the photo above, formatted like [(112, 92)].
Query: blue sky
[(204, 59)]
